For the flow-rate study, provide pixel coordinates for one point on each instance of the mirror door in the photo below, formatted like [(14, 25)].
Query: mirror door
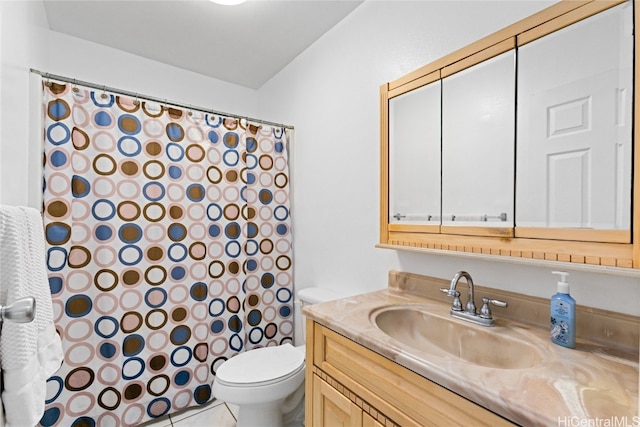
[(575, 92), (414, 157), (478, 120)]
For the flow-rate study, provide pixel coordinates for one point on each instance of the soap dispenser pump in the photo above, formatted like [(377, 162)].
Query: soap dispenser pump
[(563, 314)]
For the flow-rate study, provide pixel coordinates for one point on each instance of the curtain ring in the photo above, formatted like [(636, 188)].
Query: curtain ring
[(75, 87), (104, 94), (48, 83), (136, 102)]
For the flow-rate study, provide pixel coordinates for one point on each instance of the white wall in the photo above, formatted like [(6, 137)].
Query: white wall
[(330, 93), (21, 25), (26, 42)]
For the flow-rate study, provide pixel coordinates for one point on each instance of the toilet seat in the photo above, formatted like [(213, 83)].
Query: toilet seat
[(261, 366)]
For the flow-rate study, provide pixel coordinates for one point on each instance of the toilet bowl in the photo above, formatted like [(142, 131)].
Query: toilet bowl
[(259, 381), (267, 384)]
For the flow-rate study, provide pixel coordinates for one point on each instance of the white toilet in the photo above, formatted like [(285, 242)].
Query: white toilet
[(273, 397)]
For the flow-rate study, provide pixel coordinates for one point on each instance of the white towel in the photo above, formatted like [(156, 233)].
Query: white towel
[(29, 352)]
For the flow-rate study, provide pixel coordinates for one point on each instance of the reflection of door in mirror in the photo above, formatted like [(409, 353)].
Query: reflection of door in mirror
[(414, 156), (574, 129), (478, 144)]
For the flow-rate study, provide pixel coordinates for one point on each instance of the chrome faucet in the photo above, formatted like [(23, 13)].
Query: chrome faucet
[(471, 306), (469, 314)]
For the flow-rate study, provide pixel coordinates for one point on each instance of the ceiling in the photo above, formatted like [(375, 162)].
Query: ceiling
[(245, 44)]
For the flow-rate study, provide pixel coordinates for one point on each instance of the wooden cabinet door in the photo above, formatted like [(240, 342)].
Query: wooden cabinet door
[(332, 409), (369, 421)]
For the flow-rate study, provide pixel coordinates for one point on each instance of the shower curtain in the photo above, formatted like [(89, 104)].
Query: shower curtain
[(168, 249)]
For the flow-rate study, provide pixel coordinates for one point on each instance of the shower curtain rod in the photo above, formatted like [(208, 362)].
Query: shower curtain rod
[(152, 98)]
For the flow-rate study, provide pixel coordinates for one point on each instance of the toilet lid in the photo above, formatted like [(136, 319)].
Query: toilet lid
[(261, 365)]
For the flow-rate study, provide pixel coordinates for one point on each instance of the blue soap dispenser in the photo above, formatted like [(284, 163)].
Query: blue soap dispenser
[(563, 314)]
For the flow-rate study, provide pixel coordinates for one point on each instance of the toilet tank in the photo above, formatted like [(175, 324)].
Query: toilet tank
[(316, 295), (313, 295)]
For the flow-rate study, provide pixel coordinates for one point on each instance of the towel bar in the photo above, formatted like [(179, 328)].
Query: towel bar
[(449, 217), (21, 311)]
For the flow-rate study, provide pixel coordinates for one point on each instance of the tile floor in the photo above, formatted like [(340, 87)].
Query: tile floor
[(214, 414)]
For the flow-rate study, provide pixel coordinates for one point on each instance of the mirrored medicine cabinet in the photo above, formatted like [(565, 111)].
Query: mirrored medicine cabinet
[(520, 144)]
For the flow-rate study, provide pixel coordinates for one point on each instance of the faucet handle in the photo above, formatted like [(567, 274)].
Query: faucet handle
[(496, 302), (456, 305), (485, 311)]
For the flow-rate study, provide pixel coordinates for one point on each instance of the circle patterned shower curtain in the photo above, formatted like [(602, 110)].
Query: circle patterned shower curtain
[(168, 248)]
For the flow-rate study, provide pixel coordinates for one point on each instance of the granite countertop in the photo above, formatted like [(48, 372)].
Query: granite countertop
[(585, 385)]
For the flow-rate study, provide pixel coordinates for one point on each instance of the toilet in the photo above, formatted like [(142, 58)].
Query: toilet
[(274, 396)]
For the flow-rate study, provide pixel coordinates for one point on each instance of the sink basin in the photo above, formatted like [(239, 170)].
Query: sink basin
[(417, 328)]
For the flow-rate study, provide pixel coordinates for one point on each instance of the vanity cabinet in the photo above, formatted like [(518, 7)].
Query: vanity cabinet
[(350, 385), (332, 408), (536, 144)]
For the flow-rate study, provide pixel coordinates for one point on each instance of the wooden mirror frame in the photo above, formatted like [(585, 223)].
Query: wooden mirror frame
[(594, 247)]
